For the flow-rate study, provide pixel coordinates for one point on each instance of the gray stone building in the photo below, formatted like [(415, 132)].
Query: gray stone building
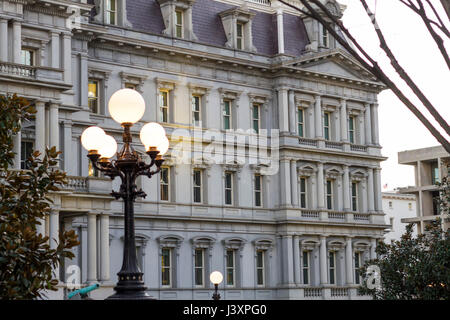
[(430, 166), (290, 221)]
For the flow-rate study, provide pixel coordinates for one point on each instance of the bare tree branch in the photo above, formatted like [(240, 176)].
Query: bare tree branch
[(402, 73), (373, 66)]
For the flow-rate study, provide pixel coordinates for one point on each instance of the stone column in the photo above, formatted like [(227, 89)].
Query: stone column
[(377, 186), (288, 261), (54, 125), (92, 247), (54, 236), (310, 120), (67, 57), (294, 183), (285, 188), (17, 42), (370, 190), (337, 121), (320, 187), (363, 207), (104, 248), (283, 110), (4, 39), (17, 140), (373, 245), (340, 193), (280, 29), (54, 49), (292, 113), (323, 260), (346, 187), (318, 117), (83, 77), (349, 260), (40, 127), (368, 125), (375, 132), (343, 118), (362, 130), (67, 147), (297, 260)]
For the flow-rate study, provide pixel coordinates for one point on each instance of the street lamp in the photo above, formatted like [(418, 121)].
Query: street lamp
[(216, 278), (127, 106)]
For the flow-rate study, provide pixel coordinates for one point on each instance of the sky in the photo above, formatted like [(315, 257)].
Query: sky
[(418, 54)]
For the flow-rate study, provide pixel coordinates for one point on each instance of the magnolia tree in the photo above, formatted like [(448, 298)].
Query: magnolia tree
[(26, 259)]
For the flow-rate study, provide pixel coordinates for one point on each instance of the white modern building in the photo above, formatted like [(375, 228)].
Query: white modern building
[(398, 206), (290, 212)]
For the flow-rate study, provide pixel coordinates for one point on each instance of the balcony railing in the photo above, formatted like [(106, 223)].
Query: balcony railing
[(312, 292), (361, 217), (263, 2), (310, 214), (339, 292), (307, 142), (17, 69), (333, 145), (31, 72), (79, 184), (336, 215), (358, 148)]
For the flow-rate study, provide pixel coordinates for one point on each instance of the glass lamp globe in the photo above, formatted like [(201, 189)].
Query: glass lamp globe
[(216, 277), (108, 148), (126, 106), (163, 146), (92, 138), (152, 135)]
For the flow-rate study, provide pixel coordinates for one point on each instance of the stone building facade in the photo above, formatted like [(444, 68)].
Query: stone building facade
[(290, 223)]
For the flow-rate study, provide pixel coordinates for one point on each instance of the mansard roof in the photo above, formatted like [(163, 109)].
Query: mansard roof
[(145, 15)]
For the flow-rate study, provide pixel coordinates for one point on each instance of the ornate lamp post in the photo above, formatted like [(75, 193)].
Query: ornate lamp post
[(127, 106), (216, 278)]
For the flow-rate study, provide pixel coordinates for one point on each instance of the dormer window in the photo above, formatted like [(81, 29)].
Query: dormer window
[(237, 23), (325, 37), (177, 17), (239, 36), (111, 12), (179, 23)]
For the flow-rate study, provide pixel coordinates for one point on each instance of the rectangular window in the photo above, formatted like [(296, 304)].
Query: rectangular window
[(93, 96), (325, 36), (164, 105), (351, 129), (239, 36), (197, 186), (179, 24), (332, 267), (434, 173), (301, 122), (166, 267), (329, 194), (111, 12), (228, 188), (199, 267), (26, 150), (260, 266), (354, 196), (326, 125), (255, 117), (227, 114), (357, 266), (303, 203), (130, 86), (28, 57), (306, 268), (196, 110), (164, 183), (258, 189), (230, 256)]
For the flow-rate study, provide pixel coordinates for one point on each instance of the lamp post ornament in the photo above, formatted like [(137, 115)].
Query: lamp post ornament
[(127, 106), (216, 278)]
